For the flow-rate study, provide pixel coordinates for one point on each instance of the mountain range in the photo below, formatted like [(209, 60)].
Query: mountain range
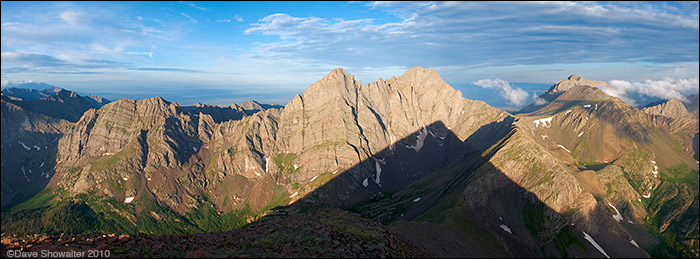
[(578, 173)]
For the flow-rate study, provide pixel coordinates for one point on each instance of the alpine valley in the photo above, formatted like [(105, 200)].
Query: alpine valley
[(403, 167)]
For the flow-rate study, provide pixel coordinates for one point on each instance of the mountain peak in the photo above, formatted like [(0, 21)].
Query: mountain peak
[(337, 73), (564, 85), (672, 108), (418, 70), (572, 80), (574, 77)]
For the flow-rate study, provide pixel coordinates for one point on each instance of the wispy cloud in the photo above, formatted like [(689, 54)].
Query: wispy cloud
[(194, 6), (189, 17), (513, 94), (489, 33), (235, 17)]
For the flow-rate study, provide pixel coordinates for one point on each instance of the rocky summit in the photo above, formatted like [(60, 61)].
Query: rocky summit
[(403, 167)]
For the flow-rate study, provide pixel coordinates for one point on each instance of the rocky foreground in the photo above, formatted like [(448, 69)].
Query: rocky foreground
[(323, 233)]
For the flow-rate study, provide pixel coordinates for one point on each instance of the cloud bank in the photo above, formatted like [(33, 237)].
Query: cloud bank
[(666, 88), (513, 94)]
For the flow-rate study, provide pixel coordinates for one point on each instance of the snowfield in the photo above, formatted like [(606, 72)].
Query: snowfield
[(617, 216), (506, 228), (379, 171), (567, 150), (590, 239), (546, 122), (25, 146), (422, 134)]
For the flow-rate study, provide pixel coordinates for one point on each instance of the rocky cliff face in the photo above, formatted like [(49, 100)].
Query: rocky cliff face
[(673, 116), (56, 103), (672, 108), (409, 148)]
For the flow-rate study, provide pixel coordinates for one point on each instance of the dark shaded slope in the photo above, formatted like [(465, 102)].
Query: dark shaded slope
[(29, 147)]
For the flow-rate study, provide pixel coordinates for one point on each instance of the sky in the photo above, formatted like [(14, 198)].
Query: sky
[(504, 53)]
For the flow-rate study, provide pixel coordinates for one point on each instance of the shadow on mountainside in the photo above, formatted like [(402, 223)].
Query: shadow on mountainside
[(26, 169), (29, 148), (422, 196), (442, 198)]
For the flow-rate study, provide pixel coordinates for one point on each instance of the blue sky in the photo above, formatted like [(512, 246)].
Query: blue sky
[(224, 52)]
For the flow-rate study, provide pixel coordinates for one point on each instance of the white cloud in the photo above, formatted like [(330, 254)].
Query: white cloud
[(538, 100), (73, 17), (513, 94), (665, 88)]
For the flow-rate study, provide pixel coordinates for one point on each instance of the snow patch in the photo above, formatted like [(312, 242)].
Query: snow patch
[(379, 171), (336, 171), (506, 228), (634, 243), (579, 135), (125, 179), (293, 194), (194, 148), (312, 179), (128, 199), (25, 174), (42, 164), (546, 122), (567, 112), (149, 179), (655, 172), (617, 216), (587, 106), (564, 148), (586, 117), (422, 134), (391, 139), (37, 147), (416, 199), (365, 183), (596, 106), (647, 196), (107, 154), (629, 221), (590, 239), (267, 163), (25, 146)]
